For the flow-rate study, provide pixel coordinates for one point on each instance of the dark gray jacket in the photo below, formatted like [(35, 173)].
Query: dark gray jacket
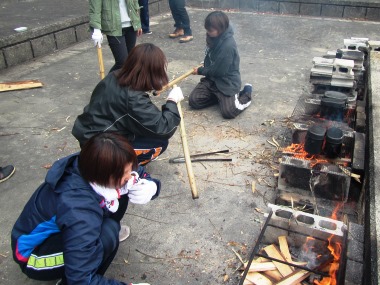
[(221, 64), (114, 108)]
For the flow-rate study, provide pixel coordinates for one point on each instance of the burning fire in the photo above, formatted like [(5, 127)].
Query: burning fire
[(336, 250), (298, 151)]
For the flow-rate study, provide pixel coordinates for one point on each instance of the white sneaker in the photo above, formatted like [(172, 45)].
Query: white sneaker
[(124, 233)]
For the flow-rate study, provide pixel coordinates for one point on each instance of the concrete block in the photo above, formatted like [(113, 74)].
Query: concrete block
[(354, 12), (354, 272), (373, 14), (82, 32), (269, 6), (65, 38), (310, 9), (2, 61), (289, 8), (18, 54), (43, 45), (355, 242), (335, 11), (249, 5), (229, 4)]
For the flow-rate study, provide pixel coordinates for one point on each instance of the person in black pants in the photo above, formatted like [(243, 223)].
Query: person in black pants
[(144, 16), (181, 21)]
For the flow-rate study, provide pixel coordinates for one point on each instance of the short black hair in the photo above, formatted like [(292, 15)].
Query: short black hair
[(104, 157)]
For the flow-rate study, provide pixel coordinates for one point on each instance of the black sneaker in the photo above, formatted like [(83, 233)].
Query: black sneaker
[(147, 32), (245, 95), (6, 172)]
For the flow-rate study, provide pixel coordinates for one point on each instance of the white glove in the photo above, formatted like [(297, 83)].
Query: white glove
[(176, 95), (142, 192), (133, 180), (97, 37)]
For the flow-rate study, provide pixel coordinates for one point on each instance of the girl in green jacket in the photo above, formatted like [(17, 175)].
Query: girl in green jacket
[(120, 21)]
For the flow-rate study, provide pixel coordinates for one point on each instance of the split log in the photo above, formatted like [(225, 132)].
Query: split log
[(284, 248), (256, 279), (19, 85), (264, 266), (273, 252), (274, 274), (294, 278)]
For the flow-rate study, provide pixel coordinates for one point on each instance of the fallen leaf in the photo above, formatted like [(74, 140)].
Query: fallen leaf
[(47, 166), (259, 210), (225, 278)]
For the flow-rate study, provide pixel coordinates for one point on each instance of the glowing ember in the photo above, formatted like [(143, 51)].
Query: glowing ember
[(298, 151)]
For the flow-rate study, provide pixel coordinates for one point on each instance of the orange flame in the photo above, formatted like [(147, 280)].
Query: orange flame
[(298, 151), (336, 250)]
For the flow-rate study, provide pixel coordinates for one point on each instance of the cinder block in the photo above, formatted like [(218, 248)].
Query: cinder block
[(373, 14), (310, 9), (43, 45), (83, 32), (289, 8), (354, 272), (18, 54), (354, 12), (229, 4), (269, 6), (65, 38), (249, 5), (332, 11), (2, 61)]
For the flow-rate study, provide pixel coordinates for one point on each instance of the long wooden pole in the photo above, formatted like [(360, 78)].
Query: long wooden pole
[(186, 152), (100, 59), (176, 80)]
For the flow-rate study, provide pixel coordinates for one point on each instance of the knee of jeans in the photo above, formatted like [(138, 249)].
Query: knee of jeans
[(109, 235)]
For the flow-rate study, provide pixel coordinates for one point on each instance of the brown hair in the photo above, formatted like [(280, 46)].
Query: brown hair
[(217, 20), (104, 157), (144, 69)]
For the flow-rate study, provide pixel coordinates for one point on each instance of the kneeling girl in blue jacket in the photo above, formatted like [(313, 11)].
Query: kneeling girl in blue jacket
[(69, 228)]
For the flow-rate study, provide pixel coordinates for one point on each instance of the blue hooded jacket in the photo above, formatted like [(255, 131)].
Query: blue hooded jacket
[(64, 203)]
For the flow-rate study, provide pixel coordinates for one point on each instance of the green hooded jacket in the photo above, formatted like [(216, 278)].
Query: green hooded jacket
[(105, 16)]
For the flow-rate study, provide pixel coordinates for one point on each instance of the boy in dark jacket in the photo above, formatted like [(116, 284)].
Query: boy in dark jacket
[(222, 81)]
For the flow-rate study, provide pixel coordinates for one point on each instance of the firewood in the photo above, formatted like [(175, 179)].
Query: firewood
[(264, 266), (284, 248), (18, 85), (274, 274), (257, 279), (273, 252), (294, 278)]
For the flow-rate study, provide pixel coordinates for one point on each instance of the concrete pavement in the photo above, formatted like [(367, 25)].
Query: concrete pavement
[(174, 240)]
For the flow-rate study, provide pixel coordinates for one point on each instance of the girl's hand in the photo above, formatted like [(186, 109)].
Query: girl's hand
[(139, 32), (195, 71)]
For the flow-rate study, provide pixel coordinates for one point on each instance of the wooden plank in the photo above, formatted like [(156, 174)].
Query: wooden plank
[(274, 274), (257, 279), (19, 85), (294, 278), (273, 252), (284, 248), (263, 266)]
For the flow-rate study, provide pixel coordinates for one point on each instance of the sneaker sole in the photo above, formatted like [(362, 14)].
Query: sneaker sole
[(9, 176), (174, 37)]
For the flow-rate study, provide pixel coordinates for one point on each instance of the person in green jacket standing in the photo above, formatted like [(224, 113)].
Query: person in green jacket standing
[(120, 21)]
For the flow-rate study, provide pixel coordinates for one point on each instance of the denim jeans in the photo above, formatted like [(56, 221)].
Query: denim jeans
[(144, 15), (121, 46), (180, 16)]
